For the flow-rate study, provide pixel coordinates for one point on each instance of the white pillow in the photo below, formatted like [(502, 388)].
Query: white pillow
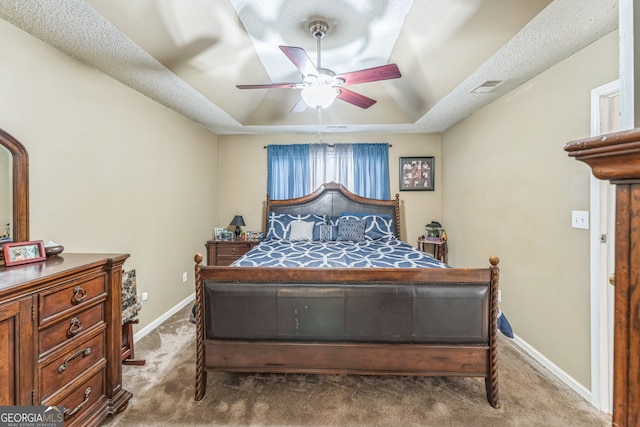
[(301, 230)]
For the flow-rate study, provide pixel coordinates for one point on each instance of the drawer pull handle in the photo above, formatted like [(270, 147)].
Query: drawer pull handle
[(68, 413), (79, 294), (85, 352), (75, 326), (233, 251)]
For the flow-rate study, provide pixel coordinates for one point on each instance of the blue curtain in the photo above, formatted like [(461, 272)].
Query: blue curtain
[(287, 171), (298, 169), (371, 171)]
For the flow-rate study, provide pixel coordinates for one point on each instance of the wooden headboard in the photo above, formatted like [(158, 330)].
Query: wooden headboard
[(333, 199)]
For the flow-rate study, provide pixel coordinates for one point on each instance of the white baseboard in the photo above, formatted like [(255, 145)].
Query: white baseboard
[(554, 369), (151, 326)]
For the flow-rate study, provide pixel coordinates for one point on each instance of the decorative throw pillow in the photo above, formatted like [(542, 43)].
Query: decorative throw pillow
[(325, 232), (278, 225), (301, 230), (378, 226), (351, 230)]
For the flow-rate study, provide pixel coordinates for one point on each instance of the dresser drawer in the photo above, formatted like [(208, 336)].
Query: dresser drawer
[(234, 250), (57, 371), (71, 297), (81, 402), (74, 326)]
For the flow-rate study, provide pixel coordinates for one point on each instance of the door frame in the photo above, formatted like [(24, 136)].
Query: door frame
[(602, 221)]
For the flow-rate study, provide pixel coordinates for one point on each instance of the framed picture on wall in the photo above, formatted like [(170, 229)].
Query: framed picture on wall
[(417, 173)]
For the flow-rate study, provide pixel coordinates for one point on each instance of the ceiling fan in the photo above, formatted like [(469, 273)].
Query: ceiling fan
[(320, 86)]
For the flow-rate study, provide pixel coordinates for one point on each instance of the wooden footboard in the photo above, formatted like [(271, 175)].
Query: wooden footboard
[(473, 359)]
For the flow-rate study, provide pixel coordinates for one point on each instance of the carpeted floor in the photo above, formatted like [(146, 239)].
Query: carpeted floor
[(163, 394)]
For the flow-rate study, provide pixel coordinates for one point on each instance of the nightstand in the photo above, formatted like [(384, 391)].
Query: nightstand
[(439, 248), (224, 252)]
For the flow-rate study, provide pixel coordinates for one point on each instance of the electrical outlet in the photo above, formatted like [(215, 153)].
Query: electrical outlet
[(580, 219), (499, 295), (144, 297), (185, 277)]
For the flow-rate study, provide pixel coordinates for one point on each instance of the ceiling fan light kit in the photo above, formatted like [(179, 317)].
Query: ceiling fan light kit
[(321, 86), (319, 96)]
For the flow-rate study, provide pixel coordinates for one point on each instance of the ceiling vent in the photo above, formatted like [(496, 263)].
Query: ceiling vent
[(487, 86), (334, 127)]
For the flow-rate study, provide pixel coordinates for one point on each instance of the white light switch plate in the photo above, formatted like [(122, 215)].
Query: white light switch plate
[(580, 219)]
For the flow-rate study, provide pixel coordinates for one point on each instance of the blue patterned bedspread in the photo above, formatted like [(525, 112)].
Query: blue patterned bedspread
[(379, 253)]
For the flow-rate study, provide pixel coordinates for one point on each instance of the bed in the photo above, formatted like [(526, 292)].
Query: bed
[(312, 311)]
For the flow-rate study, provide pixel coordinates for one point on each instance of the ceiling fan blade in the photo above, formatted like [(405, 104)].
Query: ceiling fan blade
[(355, 98), (383, 72), (300, 59), (299, 107), (270, 86)]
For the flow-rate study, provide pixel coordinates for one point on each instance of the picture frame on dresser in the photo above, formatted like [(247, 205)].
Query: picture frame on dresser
[(217, 232), (254, 235), (417, 173), (17, 253), (222, 233)]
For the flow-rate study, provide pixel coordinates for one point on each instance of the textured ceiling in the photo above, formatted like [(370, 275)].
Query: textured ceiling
[(189, 55)]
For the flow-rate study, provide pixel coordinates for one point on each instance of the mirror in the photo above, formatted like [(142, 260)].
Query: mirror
[(14, 189), (6, 193)]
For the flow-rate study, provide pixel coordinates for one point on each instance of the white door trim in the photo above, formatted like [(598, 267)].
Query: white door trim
[(601, 335)]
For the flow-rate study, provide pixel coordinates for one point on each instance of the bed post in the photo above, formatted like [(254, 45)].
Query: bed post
[(201, 374), (396, 208), (267, 209), (491, 382)]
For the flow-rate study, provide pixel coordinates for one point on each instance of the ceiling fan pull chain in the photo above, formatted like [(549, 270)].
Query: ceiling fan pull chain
[(319, 110)]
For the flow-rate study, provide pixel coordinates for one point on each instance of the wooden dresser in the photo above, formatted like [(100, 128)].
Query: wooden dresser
[(61, 336), (616, 157)]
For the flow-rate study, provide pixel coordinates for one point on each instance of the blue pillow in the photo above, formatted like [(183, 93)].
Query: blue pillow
[(379, 226), (351, 230), (278, 225)]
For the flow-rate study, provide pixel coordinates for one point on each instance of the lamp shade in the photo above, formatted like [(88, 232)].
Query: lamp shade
[(238, 221)]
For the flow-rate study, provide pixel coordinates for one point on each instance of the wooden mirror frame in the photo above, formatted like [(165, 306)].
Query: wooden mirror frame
[(20, 189)]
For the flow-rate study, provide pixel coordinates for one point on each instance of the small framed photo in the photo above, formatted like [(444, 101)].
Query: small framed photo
[(417, 173), (254, 235), (23, 252), (217, 232)]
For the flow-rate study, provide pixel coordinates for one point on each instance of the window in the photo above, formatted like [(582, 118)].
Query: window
[(296, 170)]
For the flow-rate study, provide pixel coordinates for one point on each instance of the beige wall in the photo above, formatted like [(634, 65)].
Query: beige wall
[(243, 182), (509, 189), (110, 170)]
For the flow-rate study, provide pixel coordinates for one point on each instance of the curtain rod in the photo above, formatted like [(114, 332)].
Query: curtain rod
[(328, 145)]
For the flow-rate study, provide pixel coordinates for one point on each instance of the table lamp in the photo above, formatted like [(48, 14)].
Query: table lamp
[(238, 222)]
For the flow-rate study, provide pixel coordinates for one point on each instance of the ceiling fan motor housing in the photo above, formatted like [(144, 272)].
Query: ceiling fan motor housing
[(318, 29)]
